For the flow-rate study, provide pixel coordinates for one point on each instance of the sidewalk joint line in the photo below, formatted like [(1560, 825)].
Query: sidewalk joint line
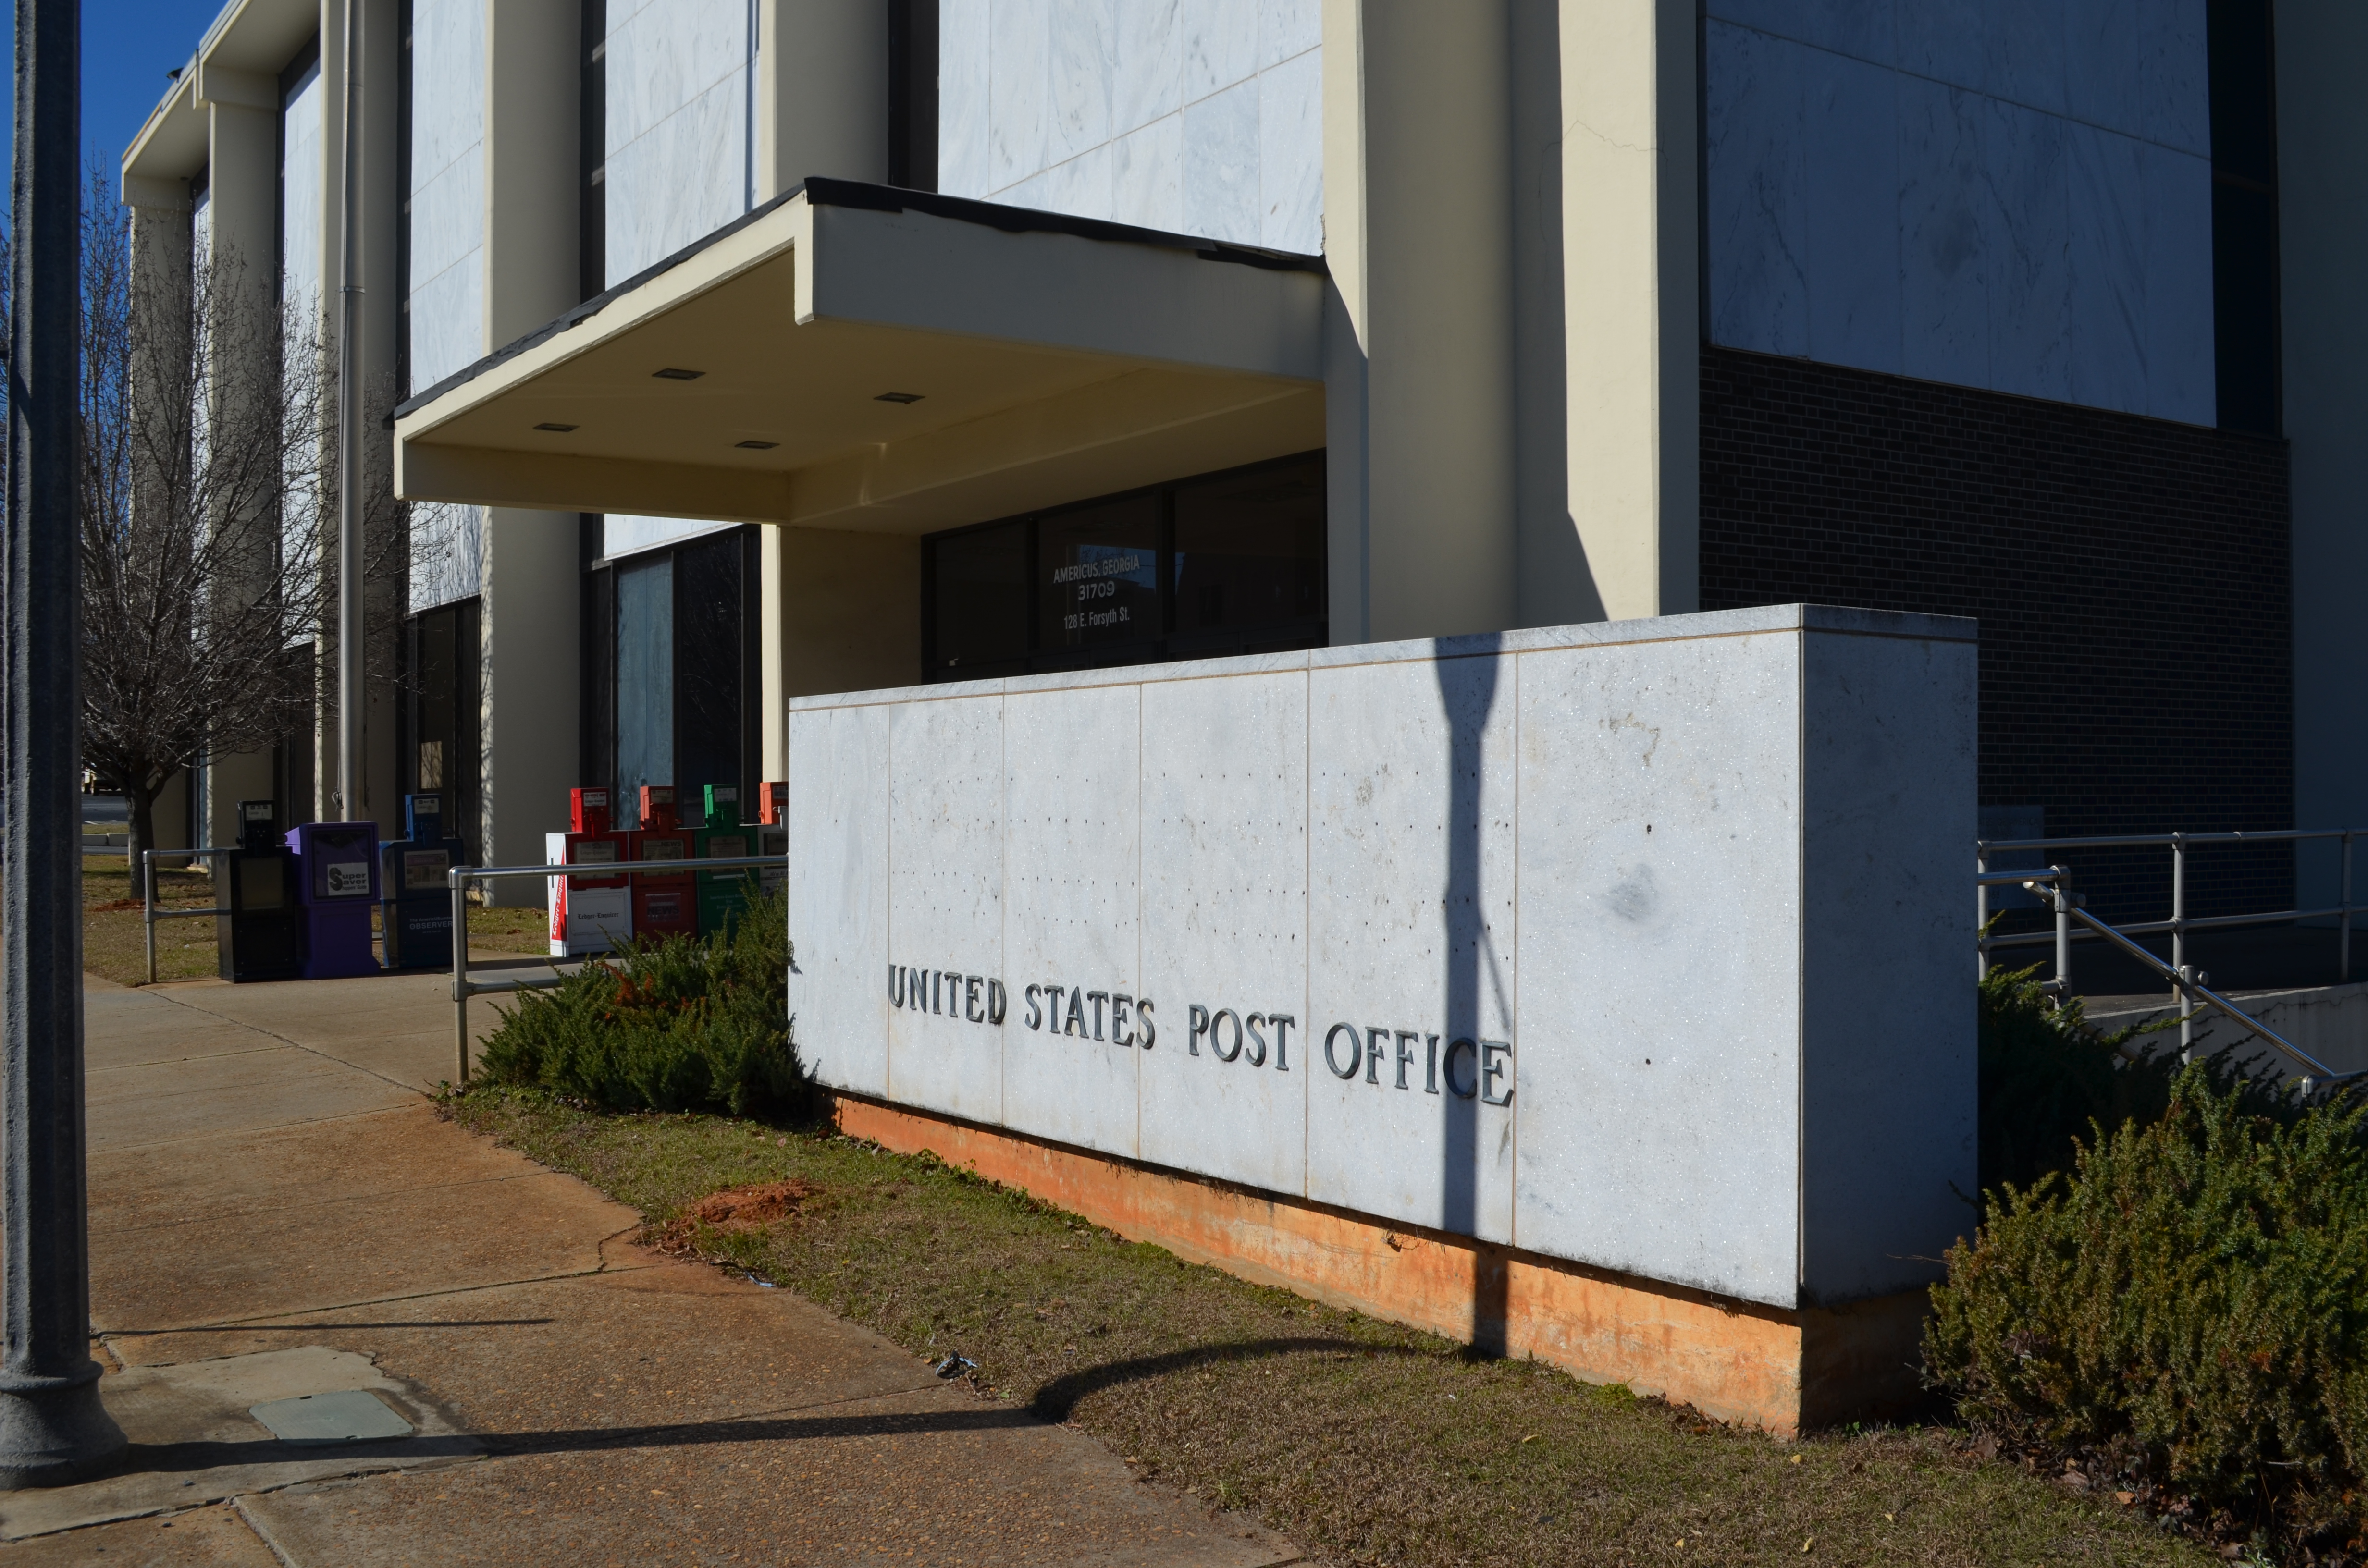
[(371, 1302), (300, 1045)]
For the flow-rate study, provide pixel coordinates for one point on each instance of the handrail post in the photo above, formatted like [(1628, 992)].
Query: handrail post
[(2178, 903), (460, 977), (148, 906), (1981, 914), (2186, 1014), (2063, 934), (2343, 937)]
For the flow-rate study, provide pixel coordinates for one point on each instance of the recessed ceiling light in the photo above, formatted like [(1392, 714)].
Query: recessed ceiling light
[(898, 397), (546, 424), (672, 373), (758, 446)]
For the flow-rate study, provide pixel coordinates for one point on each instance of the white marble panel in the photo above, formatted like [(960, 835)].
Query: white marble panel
[(1221, 169), (447, 555), (447, 77), (1225, 924), (1291, 154), (1147, 176), (2100, 65), (1221, 40), (1080, 188), (301, 192), (963, 97), (624, 533), (1411, 940), (1147, 68), (838, 902), (1947, 221), (663, 57), (1850, 228), (1945, 41), (2030, 254), (1887, 1081), (1018, 76), (2174, 75), (2022, 43), (1660, 909), (1072, 781), (1081, 62), (683, 179), (447, 322), (2109, 272), (1286, 29), (2180, 364), (946, 879), (1758, 294), (448, 218)]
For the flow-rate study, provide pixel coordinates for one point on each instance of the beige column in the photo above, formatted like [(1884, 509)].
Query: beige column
[(161, 238), (241, 258), (822, 92), (529, 650), (1418, 184), (1609, 158)]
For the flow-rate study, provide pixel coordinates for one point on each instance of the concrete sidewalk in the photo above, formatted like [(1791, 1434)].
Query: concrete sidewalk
[(277, 1210)]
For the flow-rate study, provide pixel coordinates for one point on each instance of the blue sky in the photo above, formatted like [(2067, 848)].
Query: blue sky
[(127, 47)]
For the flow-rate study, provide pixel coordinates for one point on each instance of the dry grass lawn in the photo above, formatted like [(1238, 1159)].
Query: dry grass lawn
[(1365, 1442)]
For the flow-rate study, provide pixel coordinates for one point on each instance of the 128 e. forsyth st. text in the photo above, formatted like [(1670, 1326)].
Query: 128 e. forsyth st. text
[(1468, 1068)]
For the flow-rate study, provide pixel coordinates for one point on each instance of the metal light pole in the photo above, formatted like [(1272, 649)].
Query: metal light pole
[(52, 1427), (351, 697)]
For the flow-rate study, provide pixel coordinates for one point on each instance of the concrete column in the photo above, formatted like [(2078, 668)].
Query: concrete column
[(1419, 386), (241, 258), (528, 650), (822, 92), (1609, 159), (2322, 232)]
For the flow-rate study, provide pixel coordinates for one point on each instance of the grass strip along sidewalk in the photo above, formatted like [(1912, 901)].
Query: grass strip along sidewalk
[(1365, 1442)]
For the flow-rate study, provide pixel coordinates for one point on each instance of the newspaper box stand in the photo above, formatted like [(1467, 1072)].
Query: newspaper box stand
[(337, 884), (414, 899), (589, 913), (262, 935), (664, 906), (723, 894)]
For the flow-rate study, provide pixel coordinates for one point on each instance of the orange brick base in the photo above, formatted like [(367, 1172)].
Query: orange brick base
[(1738, 1361)]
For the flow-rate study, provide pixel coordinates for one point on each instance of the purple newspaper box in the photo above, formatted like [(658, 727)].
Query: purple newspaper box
[(336, 874)]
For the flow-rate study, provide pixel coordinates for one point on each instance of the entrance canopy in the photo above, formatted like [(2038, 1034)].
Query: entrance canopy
[(857, 356)]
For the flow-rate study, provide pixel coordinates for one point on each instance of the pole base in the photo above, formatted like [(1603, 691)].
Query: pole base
[(54, 1432)]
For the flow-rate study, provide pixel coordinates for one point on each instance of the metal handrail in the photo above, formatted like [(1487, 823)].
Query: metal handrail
[(459, 877), (2178, 924), (150, 913), (2053, 886)]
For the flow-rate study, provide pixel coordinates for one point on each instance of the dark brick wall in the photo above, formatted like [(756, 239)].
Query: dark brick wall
[(2130, 574)]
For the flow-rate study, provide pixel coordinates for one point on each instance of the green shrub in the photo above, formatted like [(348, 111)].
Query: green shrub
[(680, 1024), (2050, 1078), (2192, 1302)]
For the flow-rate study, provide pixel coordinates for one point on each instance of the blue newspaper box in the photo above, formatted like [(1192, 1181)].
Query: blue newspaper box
[(414, 896), (336, 883)]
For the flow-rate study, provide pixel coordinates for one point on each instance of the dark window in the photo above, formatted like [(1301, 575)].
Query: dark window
[(292, 758), (709, 664), (2245, 215), (1224, 564), (441, 748), (403, 387), (592, 154), (599, 763), (912, 95), (978, 585)]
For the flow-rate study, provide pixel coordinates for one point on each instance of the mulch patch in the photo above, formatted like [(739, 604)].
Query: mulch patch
[(733, 1212)]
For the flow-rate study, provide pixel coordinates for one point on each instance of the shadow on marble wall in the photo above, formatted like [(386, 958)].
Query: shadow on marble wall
[(1475, 965)]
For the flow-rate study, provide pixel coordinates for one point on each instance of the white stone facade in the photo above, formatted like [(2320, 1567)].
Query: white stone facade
[(1490, 935), (1197, 117), (2016, 196)]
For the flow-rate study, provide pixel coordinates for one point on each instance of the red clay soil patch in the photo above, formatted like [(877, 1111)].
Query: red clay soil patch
[(730, 1212)]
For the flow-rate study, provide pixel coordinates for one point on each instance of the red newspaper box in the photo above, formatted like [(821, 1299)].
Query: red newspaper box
[(588, 915), (588, 812), (658, 814), (772, 803), (665, 904)]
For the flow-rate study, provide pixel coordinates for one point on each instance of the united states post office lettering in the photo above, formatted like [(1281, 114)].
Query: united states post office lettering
[(1466, 1068)]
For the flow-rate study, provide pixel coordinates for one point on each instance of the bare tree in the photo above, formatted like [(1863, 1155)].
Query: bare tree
[(208, 440)]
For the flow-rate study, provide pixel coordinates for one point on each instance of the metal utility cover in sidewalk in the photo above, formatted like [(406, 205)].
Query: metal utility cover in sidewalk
[(350, 1415)]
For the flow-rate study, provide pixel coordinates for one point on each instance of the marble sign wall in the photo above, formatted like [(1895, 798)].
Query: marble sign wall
[(1639, 944), (1198, 116), (2014, 196)]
